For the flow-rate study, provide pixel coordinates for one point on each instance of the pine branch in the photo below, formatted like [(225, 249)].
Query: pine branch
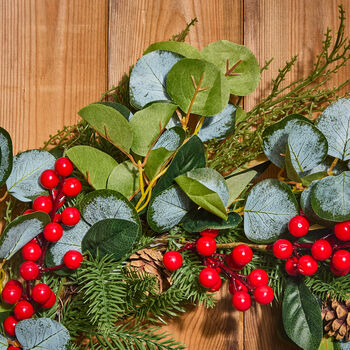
[(183, 34)]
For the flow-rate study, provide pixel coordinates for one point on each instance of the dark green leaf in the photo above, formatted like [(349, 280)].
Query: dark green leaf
[(111, 236), (178, 47), (6, 157), (301, 315)]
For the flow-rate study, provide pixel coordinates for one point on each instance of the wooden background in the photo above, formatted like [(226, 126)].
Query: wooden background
[(58, 55)]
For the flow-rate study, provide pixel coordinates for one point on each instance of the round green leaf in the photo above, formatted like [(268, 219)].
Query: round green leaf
[(42, 333), (181, 88), (301, 315), (94, 164), (330, 197), (147, 79), (219, 125), (222, 52), (111, 236), (275, 138), (207, 188), (269, 207), (6, 157), (168, 208), (125, 112), (23, 183), (334, 123), (178, 47), (306, 148), (124, 179)]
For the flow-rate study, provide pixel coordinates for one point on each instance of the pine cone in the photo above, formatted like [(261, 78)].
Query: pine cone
[(336, 319), (151, 261)]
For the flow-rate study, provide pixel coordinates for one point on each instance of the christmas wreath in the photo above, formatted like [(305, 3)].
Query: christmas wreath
[(154, 199)]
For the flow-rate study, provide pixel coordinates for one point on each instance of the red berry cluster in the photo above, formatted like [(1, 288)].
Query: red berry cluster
[(328, 247), (27, 300), (240, 286)]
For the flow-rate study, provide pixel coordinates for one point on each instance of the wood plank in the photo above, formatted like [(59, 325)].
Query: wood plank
[(52, 62)]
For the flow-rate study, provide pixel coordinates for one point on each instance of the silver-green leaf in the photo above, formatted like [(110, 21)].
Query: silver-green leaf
[(6, 157), (3, 343)]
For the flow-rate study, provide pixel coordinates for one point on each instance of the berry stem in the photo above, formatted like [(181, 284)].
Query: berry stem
[(52, 268)]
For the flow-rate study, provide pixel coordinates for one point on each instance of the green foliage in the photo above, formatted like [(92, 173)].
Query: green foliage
[(183, 34), (6, 157)]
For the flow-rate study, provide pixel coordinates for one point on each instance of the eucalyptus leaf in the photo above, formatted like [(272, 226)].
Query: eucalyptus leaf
[(341, 346), (334, 123), (23, 183), (269, 207), (94, 164), (3, 343), (190, 156), (42, 333), (111, 236), (125, 111), (225, 52), (330, 197), (275, 138), (178, 47), (124, 179), (181, 88), (108, 204), (20, 231), (199, 220), (207, 188), (168, 208), (109, 123), (6, 157), (219, 125), (301, 315), (147, 123), (148, 77), (306, 148)]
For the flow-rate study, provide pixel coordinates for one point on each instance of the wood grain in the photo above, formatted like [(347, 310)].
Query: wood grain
[(52, 62)]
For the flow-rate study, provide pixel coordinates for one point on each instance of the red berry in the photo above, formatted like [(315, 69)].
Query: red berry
[(337, 272), (282, 249), (42, 203), (217, 286), (41, 293), (210, 232), (263, 295), (229, 261), (209, 277), (14, 283), (11, 293), (70, 216), (321, 250), (50, 302), (241, 301), (63, 166), (13, 348), (61, 201), (73, 259), (307, 265), (29, 270), (31, 251), (53, 232), (258, 277), (57, 218), (23, 310), (49, 179), (28, 211), (291, 266), (342, 230), (298, 226), (10, 325), (206, 246), (71, 187), (242, 254), (172, 260), (237, 286), (341, 260)]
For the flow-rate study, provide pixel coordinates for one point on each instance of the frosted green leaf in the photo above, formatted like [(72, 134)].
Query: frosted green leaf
[(306, 148), (3, 343), (168, 208), (147, 123), (330, 197), (225, 52), (180, 86), (334, 123), (178, 47), (148, 77), (219, 125), (6, 157), (23, 183), (94, 164), (269, 207), (20, 231), (42, 334), (275, 138)]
